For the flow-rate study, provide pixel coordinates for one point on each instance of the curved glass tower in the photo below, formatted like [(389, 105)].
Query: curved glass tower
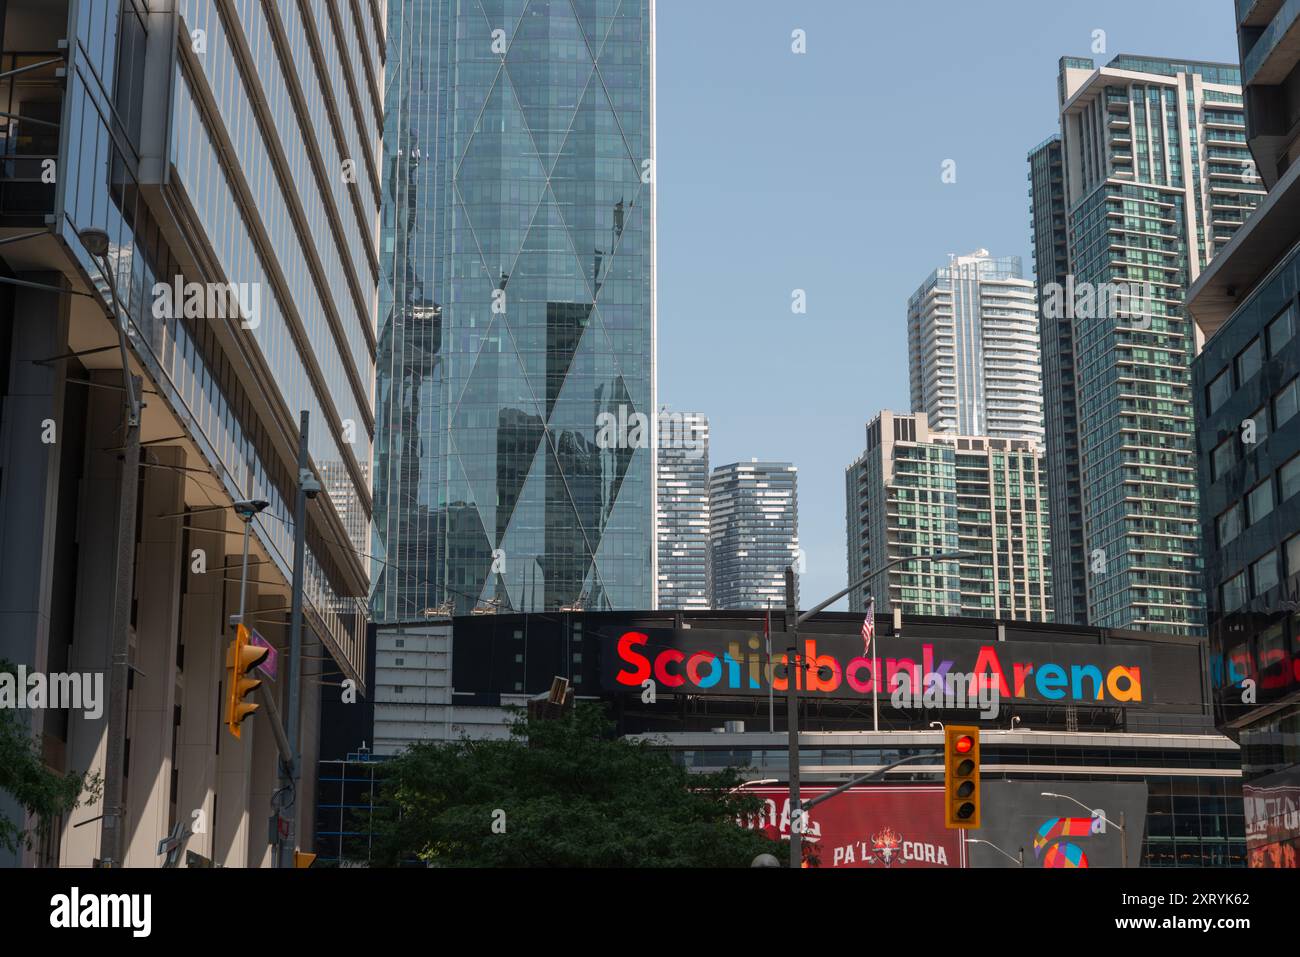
[(514, 455)]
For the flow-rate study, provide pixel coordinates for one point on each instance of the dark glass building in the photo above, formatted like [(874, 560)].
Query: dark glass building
[(1061, 417), (1247, 394), (514, 449)]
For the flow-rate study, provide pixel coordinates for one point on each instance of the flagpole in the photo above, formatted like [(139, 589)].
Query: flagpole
[(875, 687)]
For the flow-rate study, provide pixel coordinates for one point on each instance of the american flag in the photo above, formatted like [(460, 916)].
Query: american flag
[(869, 626)]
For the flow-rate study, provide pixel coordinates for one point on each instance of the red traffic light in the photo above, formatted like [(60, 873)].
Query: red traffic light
[(964, 744)]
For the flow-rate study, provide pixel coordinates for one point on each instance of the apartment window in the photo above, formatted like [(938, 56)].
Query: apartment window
[(398, 689), (1281, 330), (1289, 478), (1234, 592), (1249, 361), (1218, 391), (1223, 458), (1263, 574), (1293, 555), (401, 643), (401, 661), (1259, 503), (1228, 525), (1286, 403), (1260, 418)]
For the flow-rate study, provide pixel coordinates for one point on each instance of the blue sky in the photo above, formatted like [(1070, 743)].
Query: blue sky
[(821, 172)]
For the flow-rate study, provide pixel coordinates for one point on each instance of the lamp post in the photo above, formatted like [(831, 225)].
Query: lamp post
[(110, 849), (1123, 831), (246, 509), (792, 622), (1019, 860)]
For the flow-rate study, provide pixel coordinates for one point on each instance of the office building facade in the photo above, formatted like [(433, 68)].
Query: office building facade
[(209, 140), (1061, 416), (754, 533), (973, 354), (917, 492), (514, 465), (1247, 396), (682, 511), (1156, 181)]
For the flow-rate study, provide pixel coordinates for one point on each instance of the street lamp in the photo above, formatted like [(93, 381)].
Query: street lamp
[(1123, 831), (792, 622), (246, 509), (1019, 861)]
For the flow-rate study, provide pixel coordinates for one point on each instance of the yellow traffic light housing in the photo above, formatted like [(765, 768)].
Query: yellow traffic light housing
[(241, 656), (961, 777)]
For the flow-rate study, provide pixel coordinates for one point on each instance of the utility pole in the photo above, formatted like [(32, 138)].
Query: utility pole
[(292, 774), (792, 718), (792, 622)]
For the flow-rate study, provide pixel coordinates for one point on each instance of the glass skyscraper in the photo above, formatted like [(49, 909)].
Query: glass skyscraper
[(1155, 168), (514, 452), (682, 512), (754, 531)]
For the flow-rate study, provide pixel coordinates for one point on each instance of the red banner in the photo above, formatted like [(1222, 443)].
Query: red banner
[(869, 826)]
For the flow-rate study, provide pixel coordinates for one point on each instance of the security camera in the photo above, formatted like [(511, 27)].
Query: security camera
[(310, 486)]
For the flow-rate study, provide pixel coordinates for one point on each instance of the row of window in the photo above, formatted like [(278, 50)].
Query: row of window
[(1262, 574), (1250, 360)]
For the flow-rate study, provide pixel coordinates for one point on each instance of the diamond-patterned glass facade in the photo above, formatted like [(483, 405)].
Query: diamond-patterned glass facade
[(518, 312)]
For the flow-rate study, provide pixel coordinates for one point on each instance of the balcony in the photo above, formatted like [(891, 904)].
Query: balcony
[(31, 104), (1275, 53)]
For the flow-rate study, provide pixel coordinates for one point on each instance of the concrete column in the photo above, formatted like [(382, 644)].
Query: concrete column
[(93, 616), (152, 720), (235, 756), (203, 635), (30, 450)]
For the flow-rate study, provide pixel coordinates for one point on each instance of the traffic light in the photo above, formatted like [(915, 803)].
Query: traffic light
[(961, 777), (241, 656)]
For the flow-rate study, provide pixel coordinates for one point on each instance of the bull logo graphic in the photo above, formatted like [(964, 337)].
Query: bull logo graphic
[(887, 843)]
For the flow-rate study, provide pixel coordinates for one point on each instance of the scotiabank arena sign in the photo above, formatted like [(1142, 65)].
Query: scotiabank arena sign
[(875, 827), (697, 661)]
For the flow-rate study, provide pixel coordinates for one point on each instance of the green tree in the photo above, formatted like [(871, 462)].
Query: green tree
[(42, 793), (561, 793)]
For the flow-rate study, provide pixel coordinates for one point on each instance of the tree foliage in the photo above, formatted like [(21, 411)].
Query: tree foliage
[(561, 793), (42, 793)]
